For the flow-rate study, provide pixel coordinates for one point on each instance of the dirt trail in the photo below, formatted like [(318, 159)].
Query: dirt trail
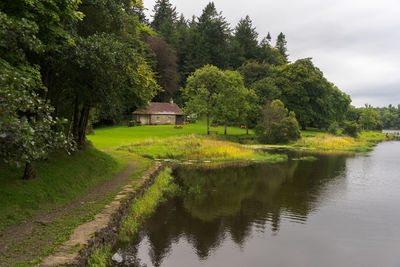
[(26, 241)]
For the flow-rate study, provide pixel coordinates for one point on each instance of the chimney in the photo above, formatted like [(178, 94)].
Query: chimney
[(171, 101)]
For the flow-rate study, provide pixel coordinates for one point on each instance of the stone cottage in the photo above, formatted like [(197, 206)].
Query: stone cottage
[(159, 114)]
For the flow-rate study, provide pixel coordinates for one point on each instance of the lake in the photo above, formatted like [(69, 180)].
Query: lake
[(338, 210)]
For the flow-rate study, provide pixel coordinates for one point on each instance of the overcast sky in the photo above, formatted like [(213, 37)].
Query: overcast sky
[(356, 43)]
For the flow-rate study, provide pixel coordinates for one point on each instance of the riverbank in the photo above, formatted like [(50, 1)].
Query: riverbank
[(93, 235)]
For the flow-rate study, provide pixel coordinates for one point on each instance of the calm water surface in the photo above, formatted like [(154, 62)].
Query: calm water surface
[(336, 211)]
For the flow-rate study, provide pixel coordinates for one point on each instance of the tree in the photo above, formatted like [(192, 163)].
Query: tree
[(203, 91), (213, 32), (232, 103), (164, 20), (253, 71), (166, 68), (266, 90), (93, 84), (306, 91), (269, 54), (28, 130), (245, 42), (277, 125), (281, 46), (368, 118)]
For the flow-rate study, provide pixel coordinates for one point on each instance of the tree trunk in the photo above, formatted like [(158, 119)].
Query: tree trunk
[(83, 121), (29, 172), (247, 130), (208, 124), (226, 126), (75, 125)]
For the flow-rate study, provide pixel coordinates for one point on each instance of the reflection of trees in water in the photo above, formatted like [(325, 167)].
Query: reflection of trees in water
[(234, 200)]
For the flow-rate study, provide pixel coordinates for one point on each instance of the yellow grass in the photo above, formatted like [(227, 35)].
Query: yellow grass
[(326, 141), (194, 147)]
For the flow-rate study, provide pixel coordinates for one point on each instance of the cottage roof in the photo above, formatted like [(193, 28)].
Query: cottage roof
[(157, 108)]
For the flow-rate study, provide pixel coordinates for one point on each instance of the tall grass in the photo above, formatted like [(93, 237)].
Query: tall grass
[(324, 141), (142, 208), (195, 147)]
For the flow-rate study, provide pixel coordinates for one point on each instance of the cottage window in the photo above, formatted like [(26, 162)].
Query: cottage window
[(169, 119), (157, 119)]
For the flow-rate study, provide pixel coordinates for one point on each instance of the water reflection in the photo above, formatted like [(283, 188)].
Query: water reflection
[(233, 203)]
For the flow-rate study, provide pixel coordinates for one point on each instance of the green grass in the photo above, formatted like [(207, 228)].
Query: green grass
[(60, 179), (143, 207), (196, 147), (62, 227), (117, 136), (100, 257)]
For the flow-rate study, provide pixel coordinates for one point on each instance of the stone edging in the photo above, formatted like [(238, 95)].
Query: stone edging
[(103, 230)]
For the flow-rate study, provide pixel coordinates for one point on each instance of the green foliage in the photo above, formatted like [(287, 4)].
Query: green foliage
[(351, 128), (281, 46), (310, 95), (44, 21), (125, 81), (276, 125), (218, 95), (28, 129), (368, 118), (244, 44), (202, 91), (100, 257), (266, 90), (333, 128), (253, 71), (213, 32), (164, 20), (233, 103), (17, 36)]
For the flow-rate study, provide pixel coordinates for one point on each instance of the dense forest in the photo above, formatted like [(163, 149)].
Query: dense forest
[(67, 65)]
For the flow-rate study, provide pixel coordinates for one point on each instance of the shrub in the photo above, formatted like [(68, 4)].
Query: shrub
[(333, 128), (276, 125), (134, 123), (351, 128)]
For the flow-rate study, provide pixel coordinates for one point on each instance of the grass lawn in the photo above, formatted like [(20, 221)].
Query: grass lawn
[(60, 179), (122, 135)]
